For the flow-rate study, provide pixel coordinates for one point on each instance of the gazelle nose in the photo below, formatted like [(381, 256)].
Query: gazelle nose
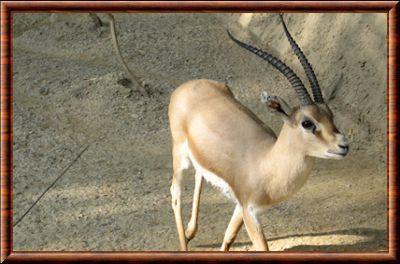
[(344, 149), (343, 141)]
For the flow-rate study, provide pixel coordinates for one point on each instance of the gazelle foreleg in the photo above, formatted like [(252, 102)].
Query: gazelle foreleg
[(233, 228), (254, 229), (192, 225)]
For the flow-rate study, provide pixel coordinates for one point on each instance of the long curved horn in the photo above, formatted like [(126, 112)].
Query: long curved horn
[(294, 80), (316, 90)]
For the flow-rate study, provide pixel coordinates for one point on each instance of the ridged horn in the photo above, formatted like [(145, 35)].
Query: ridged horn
[(294, 80), (316, 90)]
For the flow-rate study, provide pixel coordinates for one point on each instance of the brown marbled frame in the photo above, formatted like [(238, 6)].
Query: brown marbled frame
[(7, 7)]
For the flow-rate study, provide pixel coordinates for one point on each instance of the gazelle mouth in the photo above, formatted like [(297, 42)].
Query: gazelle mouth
[(338, 153), (333, 154)]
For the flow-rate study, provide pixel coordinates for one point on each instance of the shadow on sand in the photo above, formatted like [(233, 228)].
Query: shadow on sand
[(372, 240)]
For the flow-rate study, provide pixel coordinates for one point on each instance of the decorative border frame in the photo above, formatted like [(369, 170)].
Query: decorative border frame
[(8, 7)]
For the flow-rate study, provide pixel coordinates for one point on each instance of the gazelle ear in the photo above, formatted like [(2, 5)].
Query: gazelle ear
[(275, 104)]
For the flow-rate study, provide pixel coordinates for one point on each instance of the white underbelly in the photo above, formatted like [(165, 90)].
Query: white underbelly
[(206, 174)]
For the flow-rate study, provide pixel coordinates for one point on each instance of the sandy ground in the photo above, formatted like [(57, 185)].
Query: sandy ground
[(110, 148)]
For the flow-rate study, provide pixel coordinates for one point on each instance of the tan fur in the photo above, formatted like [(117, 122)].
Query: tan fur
[(227, 140)]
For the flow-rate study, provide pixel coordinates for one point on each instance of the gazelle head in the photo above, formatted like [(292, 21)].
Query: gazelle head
[(316, 131), (312, 122)]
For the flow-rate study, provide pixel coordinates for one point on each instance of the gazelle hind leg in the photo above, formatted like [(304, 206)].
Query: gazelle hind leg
[(192, 225), (233, 228), (179, 164)]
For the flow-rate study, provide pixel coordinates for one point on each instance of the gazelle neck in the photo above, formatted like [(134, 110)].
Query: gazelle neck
[(286, 166)]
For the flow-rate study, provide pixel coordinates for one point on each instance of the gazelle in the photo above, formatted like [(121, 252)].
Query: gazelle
[(231, 148)]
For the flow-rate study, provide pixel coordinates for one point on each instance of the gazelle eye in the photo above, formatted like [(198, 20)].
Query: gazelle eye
[(307, 124)]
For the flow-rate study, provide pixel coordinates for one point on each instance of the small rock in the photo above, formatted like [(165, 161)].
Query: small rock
[(44, 90), (124, 82), (16, 146), (126, 93)]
